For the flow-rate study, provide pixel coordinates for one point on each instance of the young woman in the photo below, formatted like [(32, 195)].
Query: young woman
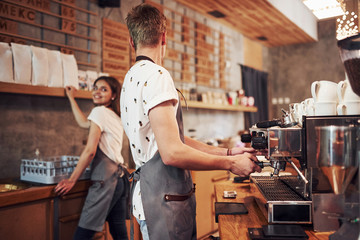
[(107, 196)]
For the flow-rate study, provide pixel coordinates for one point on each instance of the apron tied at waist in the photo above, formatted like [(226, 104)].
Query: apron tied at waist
[(122, 171), (180, 197)]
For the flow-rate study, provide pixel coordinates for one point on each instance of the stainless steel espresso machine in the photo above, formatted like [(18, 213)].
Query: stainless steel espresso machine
[(325, 153)]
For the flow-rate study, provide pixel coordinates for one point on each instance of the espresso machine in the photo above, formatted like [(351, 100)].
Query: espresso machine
[(325, 153)]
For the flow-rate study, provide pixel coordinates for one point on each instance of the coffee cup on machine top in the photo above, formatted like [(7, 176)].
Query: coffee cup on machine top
[(308, 107), (349, 108), (325, 108), (345, 92), (324, 91)]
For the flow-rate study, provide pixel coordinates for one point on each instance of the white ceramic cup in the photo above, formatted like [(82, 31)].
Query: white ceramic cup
[(293, 114), (308, 107), (325, 108), (349, 108), (298, 111), (324, 91), (345, 92)]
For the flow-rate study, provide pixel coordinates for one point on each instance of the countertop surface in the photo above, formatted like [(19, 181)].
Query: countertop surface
[(34, 192), (236, 226)]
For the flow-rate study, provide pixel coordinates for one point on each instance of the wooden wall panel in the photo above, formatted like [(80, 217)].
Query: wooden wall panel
[(253, 54), (115, 49), (36, 14), (194, 46)]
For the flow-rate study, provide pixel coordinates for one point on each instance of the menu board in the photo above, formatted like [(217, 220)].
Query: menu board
[(54, 24), (115, 49), (196, 52)]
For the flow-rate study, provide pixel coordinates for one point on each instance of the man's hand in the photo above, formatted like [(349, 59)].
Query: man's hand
[(244, 164), (240, 150)]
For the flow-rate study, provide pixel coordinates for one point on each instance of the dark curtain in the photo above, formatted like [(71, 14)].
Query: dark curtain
[(255, 83)]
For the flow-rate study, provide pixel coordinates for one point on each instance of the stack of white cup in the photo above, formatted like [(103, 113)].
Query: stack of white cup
[(349, 102), (297, 110), (325, 97)]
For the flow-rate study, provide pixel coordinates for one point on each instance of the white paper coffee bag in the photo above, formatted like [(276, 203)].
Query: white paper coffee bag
[(6, 63), (70, 70), (55, 78), (40, 66), (22, 63)]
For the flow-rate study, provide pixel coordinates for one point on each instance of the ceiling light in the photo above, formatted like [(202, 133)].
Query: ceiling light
[(346, 26), (324, 9)]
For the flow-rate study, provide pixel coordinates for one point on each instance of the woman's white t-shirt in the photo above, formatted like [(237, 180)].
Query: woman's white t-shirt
[(111, 132)]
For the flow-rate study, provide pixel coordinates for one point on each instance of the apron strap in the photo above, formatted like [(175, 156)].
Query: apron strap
[(135, 176), (182, 197)]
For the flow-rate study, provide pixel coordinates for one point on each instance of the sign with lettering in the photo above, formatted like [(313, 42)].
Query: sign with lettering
[(67, 51), (116, 57), (66, 24), (36, 4), (115, 26), (17, 13), (115, 49), (115, 36), (9, 39), (8, 26)]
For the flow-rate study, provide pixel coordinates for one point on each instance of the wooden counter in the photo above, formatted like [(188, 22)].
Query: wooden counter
[(39, 213), (37, 192), (236, 226)]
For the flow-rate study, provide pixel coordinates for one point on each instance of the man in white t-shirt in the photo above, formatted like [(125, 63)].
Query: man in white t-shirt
[(163, 202)]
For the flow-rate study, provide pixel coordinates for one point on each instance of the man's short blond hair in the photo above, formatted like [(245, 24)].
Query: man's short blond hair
[(146, 25)]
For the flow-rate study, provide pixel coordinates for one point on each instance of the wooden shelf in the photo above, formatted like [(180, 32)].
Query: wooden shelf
[(201, 105), (60, 92), (40, 90)]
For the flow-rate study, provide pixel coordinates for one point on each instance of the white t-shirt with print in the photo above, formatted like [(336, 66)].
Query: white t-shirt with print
[(145, 86), (111, 132)]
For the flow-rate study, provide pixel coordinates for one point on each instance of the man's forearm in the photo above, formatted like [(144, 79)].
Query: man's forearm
[(205, 147)]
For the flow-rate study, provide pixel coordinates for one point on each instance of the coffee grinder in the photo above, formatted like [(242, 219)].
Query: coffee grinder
[(333, 156)]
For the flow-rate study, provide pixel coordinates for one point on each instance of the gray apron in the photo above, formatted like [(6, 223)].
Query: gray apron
[(100, 198), (167, 197)]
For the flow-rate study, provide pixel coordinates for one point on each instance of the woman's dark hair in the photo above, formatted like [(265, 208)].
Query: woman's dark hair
[(115, 89)]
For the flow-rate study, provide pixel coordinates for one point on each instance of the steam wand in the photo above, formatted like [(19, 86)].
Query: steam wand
[(298, 171)]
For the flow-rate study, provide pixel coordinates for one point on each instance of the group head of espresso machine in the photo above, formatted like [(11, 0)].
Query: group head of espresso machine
[(325, 153), (280, 141)]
